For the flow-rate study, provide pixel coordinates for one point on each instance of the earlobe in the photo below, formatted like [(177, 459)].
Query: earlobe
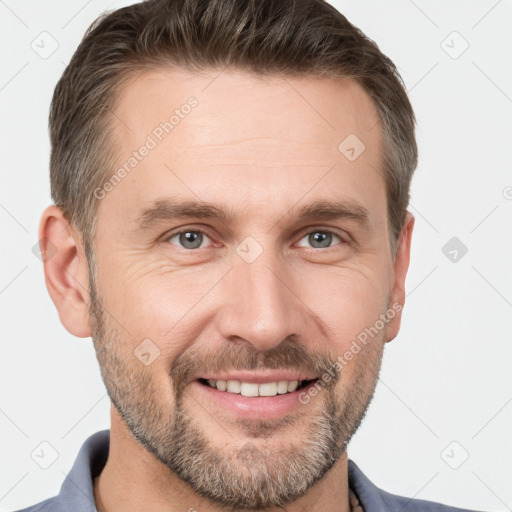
[(65, 270), (400, 267)]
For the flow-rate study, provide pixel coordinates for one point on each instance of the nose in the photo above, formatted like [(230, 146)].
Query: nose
[(259, 305)]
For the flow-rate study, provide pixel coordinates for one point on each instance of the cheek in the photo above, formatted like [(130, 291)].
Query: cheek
[(171, 306), (147, 291), (160, 309), (348, 299)]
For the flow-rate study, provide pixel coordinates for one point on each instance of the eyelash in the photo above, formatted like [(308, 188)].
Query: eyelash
[(168, 237)]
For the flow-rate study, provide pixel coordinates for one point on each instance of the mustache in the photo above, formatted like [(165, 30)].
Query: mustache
[(288, 355)]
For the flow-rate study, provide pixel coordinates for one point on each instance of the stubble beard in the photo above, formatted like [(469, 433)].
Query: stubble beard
[(248, 478)]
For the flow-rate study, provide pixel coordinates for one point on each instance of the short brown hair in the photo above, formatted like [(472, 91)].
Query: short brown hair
[(287, 37)]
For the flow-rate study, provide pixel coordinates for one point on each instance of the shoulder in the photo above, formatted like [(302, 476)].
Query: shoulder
[(374, 499), (394, 502)]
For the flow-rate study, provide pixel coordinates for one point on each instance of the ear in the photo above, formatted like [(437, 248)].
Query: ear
[(400, 267), (65, 270)]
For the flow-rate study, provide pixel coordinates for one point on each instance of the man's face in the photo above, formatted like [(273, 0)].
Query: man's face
[(182, 300)]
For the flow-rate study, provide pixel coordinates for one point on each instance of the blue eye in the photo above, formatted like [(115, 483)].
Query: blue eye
[(191, 239), (322, 239)]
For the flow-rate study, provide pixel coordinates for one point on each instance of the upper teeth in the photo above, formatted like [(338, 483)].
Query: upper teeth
[(253, 389)]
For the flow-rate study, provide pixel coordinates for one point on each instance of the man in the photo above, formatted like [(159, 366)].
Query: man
[(231, 182)]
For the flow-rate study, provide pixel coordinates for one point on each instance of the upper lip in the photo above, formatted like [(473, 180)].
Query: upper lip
[(259, 377)]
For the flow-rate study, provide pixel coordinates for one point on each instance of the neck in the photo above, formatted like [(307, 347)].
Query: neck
[(133, 479)]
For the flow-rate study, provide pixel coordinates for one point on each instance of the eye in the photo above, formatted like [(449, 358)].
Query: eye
[(321, 239), (189, 239), (192, 239)]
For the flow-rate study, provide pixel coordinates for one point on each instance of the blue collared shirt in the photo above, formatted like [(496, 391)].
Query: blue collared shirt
[(77, 491)]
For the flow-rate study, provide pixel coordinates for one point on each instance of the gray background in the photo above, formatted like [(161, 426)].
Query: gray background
[(439, 426)]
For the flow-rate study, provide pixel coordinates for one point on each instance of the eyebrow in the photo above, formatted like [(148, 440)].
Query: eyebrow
[(166, 209)]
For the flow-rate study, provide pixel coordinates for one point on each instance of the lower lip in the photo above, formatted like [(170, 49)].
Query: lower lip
[(255, 407)]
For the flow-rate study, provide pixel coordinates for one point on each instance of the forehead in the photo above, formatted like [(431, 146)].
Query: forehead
[(302, 109), (243, 138)]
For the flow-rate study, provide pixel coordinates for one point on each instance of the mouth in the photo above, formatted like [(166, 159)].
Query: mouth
[(254, 401), (254, 389)]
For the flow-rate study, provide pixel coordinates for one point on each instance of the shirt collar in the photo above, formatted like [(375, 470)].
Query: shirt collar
[(77, 491)]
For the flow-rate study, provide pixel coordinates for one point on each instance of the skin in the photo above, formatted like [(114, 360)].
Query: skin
[(260, 149)]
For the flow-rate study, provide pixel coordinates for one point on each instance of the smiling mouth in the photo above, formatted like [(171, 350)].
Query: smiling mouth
[(252, 389)]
